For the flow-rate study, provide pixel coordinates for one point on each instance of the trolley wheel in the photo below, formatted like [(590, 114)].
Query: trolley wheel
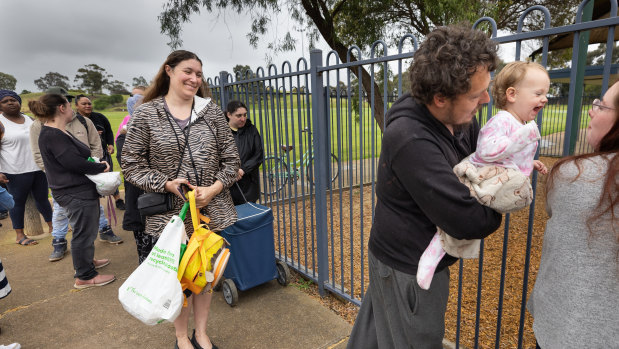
[(283, 273), (231, 295)]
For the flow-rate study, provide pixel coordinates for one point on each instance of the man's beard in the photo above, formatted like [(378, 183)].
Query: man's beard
[(461, 126)]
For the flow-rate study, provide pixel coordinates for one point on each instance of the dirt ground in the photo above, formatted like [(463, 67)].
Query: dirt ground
[(298, 245)]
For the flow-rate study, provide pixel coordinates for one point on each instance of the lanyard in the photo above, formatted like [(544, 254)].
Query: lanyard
[(186, 146)]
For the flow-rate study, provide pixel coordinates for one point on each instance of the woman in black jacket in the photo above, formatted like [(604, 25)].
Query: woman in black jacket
[(66, 164), (249, 144)]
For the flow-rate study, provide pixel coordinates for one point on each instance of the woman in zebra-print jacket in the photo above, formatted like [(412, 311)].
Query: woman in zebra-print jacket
[(173, 107)]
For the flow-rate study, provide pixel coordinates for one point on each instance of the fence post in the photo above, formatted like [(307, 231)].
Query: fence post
[(320, 125), (223, 78), (577, 74)]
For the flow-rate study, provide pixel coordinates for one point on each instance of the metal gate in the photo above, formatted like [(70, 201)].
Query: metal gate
[(322, 143)]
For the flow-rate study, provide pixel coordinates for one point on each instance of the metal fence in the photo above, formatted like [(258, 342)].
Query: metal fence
[(321, 151)]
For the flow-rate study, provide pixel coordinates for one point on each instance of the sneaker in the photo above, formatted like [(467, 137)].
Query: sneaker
[(99, 280), (120, 204), (4, 215), (60, 249), (106, 234), (100, 263), (11, 346)]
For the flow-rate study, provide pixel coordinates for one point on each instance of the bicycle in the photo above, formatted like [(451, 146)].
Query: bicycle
[(277, 172)]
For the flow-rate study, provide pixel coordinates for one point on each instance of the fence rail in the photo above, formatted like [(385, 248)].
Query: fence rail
[(322, 145)]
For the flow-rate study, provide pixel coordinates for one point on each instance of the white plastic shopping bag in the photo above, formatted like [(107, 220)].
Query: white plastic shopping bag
[(152, 293), (106, 182)]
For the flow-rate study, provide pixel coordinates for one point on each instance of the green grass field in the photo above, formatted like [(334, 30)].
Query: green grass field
[(281, 122)]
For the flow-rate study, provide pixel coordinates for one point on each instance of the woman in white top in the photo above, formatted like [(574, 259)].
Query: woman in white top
[(17, 167)]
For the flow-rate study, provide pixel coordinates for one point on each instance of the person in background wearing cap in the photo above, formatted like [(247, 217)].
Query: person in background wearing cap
[(17, 167), (85, 131), (84, 108)]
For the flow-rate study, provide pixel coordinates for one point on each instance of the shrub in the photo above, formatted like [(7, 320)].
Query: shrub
[(101, 103), (115, 99)]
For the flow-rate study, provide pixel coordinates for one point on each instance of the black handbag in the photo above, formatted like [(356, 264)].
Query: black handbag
[(155, 203)]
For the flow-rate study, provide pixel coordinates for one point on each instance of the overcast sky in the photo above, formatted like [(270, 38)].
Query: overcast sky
[(122, 36)]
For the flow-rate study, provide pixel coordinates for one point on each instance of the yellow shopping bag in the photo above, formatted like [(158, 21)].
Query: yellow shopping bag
[(206, 256)]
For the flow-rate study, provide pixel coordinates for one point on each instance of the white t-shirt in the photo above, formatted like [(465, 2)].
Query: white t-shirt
[(15, 151)]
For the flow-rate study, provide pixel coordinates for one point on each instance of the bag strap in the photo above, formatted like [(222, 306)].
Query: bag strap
[(83, 122), (240, 191), (196, 216)]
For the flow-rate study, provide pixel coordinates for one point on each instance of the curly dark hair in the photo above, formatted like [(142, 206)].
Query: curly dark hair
[(446, 60)]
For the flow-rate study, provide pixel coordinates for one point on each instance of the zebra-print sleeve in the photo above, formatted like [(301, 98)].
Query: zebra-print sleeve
[(135, 154)]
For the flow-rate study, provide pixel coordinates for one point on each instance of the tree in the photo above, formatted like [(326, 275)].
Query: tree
[(117, 87), (338, 21), (240, 71), (598, 56), (7, 81), (244, 72), (92, 78), (32, 218), (52, 79), (139, 81)]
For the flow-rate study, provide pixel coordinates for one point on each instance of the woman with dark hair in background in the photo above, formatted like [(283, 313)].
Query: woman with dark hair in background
[(249, 144), (576, 295), (18, 169), (179, 136), (66, 164)]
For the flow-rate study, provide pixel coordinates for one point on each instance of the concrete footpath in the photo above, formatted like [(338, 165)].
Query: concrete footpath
[(45, 311)]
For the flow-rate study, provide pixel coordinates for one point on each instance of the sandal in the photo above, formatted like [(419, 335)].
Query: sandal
[(26, 242)]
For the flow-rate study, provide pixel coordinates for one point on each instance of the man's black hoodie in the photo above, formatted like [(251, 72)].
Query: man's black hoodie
[(417, 189)]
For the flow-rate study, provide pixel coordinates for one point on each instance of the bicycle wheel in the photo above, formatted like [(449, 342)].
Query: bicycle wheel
[(335, 169), (276, 175)]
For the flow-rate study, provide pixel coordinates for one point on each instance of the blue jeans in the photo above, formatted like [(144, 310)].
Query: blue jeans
[(6, 200), (60, 221)]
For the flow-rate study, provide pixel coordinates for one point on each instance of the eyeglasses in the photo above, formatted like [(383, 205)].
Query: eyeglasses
[(597, 106)]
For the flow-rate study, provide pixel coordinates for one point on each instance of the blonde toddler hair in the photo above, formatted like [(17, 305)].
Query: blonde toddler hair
[(512, 74)]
